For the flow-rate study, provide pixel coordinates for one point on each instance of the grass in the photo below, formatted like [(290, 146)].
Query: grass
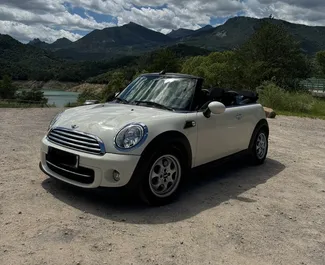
[(299, 104), (301, 115), (317, 110)]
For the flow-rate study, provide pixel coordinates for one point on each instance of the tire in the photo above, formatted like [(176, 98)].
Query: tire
[(161, 176), (259, 146)]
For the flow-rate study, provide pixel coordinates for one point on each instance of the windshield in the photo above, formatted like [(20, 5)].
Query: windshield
[(170, 92)]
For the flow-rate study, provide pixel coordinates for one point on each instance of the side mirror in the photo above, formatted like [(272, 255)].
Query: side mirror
[(214, 107)]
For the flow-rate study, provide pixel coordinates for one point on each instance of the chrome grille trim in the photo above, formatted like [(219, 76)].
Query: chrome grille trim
[(75, 136), (77, 140), (73, 140)]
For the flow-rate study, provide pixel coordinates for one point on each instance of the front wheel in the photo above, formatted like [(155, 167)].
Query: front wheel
[(259, 146), (161, 178)]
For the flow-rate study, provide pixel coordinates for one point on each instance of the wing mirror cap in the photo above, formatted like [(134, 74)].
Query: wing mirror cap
[(216, 108)]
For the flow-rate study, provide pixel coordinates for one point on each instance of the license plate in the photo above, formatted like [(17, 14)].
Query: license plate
[(59, 157)]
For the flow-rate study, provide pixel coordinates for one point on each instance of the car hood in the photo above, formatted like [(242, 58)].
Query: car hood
[(106, 120)]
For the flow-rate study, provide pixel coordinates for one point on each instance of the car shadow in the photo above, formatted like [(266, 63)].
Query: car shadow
[(206, 188)]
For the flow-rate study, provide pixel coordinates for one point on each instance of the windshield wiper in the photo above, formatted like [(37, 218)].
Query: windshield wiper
[(151, 103), (122, 100)]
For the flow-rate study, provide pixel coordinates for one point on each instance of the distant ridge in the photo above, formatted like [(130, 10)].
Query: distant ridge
[(133, 39)]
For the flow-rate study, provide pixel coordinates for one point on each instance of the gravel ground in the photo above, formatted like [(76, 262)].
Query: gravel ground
[(231, 214)]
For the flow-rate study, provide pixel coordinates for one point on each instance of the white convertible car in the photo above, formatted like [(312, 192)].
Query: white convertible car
[(149, 136)]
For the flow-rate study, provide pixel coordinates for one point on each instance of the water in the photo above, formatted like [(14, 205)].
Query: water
[(60, 98)]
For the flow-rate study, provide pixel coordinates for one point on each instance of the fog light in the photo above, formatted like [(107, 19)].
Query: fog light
[(116, 176)]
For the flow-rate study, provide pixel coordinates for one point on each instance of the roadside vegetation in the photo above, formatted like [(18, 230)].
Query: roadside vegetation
[(294, 103)]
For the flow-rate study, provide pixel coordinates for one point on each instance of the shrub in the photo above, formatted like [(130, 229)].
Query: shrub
[(277, 98), (7, 89), (88, 94), (32, 96)]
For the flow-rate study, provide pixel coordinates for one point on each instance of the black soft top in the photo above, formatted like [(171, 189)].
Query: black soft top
[(173, 75)]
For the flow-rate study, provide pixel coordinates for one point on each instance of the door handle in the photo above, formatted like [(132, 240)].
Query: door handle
[(239, 116)]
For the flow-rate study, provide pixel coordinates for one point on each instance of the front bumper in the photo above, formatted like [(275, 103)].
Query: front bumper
[(103, 167)]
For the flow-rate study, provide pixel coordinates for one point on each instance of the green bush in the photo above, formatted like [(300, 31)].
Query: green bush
[(88, 94), (32, 96), (277, 98)]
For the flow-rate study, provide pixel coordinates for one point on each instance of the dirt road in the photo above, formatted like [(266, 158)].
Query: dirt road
[(273, 214)]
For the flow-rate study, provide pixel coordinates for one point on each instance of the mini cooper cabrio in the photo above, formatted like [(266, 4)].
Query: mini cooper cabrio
[(150, 135)]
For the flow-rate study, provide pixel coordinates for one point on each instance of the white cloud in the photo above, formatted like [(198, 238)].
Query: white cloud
[(178, 13), (63, 19), (25, 33), (48, 19), (296, 11), (37, 6)]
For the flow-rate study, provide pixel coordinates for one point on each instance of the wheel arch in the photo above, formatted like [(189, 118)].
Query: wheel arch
[(175, 138), (261, 124)]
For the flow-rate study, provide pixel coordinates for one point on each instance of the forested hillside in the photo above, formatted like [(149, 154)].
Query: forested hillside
[(133, 39)]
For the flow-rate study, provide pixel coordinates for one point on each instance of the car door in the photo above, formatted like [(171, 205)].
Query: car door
[(217, 136), (246, 121)]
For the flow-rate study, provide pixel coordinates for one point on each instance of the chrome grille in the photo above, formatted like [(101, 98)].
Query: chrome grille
[(77, 140)]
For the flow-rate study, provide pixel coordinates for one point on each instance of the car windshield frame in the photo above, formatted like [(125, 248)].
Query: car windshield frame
[(173, 92)]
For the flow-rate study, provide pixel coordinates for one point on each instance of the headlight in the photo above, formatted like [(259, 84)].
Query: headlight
[(131, 136), (54, 120)]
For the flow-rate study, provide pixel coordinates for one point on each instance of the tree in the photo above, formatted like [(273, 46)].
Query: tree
[(166, 60), (320, 58), (271, 53), (7, 89), (117, 83), (88, 94), (218, 69), (163, 59), (32, 96)]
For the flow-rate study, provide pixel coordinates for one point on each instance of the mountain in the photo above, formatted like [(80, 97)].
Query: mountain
[(237, 30), (109, 43), (27, 62), (60, 44), (39, 44), (180, 33), (20, 60), (129, 34), (207, 27), (133, 39)]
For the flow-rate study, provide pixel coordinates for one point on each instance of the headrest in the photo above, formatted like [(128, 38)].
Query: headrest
[(216, 92)]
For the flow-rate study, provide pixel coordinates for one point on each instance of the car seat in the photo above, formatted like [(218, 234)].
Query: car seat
[(215, 94), (203, 98)]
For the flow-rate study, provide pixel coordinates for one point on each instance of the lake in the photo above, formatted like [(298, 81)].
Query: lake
[(60, 98)]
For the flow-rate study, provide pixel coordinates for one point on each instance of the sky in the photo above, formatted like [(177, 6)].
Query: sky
[(49, 20)]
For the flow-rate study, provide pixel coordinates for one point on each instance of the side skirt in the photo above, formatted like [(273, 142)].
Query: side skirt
[(242, 154)]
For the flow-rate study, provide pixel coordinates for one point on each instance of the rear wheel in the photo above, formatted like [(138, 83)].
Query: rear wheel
[(161, 177)]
